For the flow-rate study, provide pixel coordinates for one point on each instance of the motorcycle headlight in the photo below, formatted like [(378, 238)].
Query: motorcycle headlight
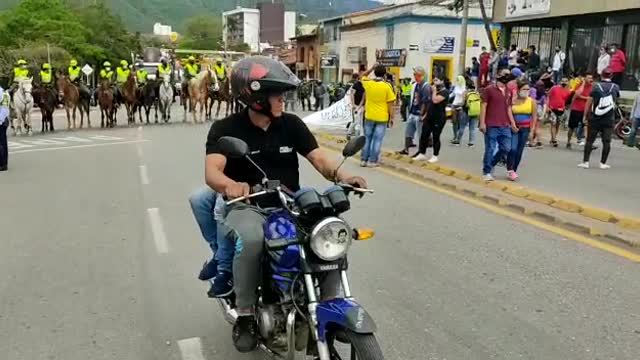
[(331, 239)]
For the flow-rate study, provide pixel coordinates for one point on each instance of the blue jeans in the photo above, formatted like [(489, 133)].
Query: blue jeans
[(203, 204), (632, 135), (472, 123), (495, 139), (374, 133), (518, 143)]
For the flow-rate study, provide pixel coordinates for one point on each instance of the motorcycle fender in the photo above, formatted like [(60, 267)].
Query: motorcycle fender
[(345, 313)]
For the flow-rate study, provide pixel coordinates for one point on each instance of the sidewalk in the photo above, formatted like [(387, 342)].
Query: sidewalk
[(553, 170)]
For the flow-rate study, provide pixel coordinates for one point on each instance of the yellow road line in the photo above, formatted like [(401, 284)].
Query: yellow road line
[(527, 220)]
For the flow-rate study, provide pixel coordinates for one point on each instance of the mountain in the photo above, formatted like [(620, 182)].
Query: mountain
[(140, 15)]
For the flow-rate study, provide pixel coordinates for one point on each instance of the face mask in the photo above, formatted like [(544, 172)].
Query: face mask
[(523, 94), (107, 68), (557, 50), (612, 51), (504, 79), (564, 84)]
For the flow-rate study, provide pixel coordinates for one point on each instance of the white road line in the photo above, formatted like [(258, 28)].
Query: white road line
[(159, 236), (191, 349), (77, 146), (140, 152), (144, 175)]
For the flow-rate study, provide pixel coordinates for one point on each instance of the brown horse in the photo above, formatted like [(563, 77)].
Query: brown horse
[(106, 100), (46, 99), (198, 94), (71, 100), (130, 96)]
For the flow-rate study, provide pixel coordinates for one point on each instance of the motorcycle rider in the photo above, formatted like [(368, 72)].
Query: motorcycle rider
[(275, 139)]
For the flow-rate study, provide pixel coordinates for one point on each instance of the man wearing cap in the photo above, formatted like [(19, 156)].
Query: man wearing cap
[(20, 73), (46, 75), (419, 98), (190, 71), (74, 71), (220, 69)]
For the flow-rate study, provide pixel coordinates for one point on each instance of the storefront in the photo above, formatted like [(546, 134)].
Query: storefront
[(580, 29)]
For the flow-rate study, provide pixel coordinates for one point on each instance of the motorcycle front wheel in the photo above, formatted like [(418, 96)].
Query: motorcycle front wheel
[(359, 346)]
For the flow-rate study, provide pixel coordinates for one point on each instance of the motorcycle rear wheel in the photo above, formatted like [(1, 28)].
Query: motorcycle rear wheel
[(363, 346)]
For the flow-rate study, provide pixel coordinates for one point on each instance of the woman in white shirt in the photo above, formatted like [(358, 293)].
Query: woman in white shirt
[(603, 60), (458, 93)]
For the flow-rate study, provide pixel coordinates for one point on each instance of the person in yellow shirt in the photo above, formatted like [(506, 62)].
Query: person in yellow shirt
[(378, 113)]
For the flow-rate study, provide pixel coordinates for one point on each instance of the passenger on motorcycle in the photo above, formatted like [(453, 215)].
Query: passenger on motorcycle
[(275, 139)]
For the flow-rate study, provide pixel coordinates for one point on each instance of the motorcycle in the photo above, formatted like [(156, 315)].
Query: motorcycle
[(304, 241)]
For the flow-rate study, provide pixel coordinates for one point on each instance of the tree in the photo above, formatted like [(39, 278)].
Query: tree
[(202, 32), (457, 6)]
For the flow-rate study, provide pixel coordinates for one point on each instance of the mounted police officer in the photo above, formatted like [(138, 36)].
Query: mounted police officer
[(220, 70), (46, 75), (75, 77), (164, 69), (20, 72), (141, 74), (191, 70)]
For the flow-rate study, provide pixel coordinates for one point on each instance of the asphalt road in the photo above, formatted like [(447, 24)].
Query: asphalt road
[(85, 277)]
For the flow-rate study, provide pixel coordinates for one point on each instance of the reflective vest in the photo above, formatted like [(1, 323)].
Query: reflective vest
[(221, 71), (74, 73), (20, 74), (122, 75), (45, 76), (141, 75), (191, 69), (164, 71), (6, 99), (406, 90), (106, 75)]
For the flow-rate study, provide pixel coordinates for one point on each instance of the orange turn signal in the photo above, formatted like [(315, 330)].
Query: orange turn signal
[(364, 234)]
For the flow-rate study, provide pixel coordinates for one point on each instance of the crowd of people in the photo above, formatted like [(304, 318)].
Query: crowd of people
[(508, 97)]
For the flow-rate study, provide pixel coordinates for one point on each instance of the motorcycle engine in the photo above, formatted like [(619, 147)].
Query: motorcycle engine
[(270, 318)]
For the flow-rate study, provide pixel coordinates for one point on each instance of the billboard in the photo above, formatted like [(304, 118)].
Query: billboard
[(518, 8), (391, 57)]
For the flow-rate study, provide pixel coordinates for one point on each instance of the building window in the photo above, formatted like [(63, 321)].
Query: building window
[(390, 34), (301, 54)]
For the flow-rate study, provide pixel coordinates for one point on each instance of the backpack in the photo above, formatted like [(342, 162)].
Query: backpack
[(473, 104), (606, 103)]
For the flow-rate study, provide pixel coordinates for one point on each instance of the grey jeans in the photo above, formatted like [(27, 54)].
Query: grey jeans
[(246, 226)]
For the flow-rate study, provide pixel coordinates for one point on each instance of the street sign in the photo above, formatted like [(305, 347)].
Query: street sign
[(87, 70), (174, 37)]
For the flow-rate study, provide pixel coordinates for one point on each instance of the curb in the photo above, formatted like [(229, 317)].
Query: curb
[(569, 206)]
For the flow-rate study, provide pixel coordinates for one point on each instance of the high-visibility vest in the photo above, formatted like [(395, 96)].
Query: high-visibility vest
[(122, 75), (221, 71), (20, 74), (46, 76), (74, 73), (406, 90), (6, 99), (191, 69), (106, 75), (141, 75), (164, 71)]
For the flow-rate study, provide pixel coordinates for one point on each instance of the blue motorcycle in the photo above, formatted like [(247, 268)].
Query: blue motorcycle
[(307, 241)]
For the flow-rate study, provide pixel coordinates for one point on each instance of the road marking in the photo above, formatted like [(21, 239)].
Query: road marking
[(539, 224), (77, 146), (144, 175), (191, 349), (157, 229)]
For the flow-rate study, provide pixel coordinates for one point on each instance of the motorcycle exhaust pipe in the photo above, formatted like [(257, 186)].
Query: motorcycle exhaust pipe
[(291, 335), (230, 315)]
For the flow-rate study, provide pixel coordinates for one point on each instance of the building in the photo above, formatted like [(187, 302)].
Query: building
[(402, 37), (307, 61), (259, 28), (580, 27), (161, 30)]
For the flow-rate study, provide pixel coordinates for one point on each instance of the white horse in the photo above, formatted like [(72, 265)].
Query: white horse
[(166, 98), (22, 105)]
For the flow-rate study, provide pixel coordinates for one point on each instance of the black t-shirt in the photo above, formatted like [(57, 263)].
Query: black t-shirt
[(438, 112), (274, 150), (358, 92), (600, 90)]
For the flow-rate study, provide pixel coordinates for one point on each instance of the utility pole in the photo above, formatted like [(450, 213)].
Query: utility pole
[(48, 54), (463, 36)]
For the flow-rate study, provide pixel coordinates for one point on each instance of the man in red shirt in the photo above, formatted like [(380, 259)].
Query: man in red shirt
[(617, 64), (496, 123), (577, 110), (485, 57), (558, 96)]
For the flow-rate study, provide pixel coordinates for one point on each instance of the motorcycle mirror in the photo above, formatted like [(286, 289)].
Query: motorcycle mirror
[(353, 146), (233, 147)]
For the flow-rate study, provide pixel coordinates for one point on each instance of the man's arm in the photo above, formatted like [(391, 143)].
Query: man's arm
[(327, 167), (218, 181), (483, 114)]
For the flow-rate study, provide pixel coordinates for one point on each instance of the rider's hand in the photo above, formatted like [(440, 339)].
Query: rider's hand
[(235, 190), (356, 181)]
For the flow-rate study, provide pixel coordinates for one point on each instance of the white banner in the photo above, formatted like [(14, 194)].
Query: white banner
[(336, 116), (517, 8)]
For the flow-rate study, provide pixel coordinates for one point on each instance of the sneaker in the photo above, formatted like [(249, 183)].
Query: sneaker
[(209, 270), (373, 165), (568, 146), (581, 143), (512, 175), (363, 163), (245, 334), (539, 145), (434, 159), (403, 152), (455, 142), (471, 145), (420, 157), (605, 166), (594, 147), (554, 144), (221, 285), (487, 177), (584, 165)]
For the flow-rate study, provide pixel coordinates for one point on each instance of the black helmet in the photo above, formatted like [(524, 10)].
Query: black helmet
[(255, 78)]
